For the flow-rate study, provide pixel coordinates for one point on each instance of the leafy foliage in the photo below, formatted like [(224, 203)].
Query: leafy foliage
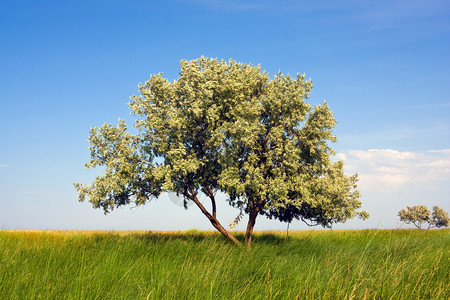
[(420, 214), (226, 127), (439, 217), (416, 215)]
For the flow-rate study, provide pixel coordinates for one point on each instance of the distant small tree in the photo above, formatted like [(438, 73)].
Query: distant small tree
[(439, 218), (420, 214), (416, 215)]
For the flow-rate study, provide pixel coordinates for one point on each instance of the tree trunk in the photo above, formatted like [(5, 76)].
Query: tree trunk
[(223, 231), (287, 229), (213, 220), (250, 225), (254, 208)]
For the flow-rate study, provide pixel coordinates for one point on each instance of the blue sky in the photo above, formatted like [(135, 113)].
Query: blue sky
[(382, 66)]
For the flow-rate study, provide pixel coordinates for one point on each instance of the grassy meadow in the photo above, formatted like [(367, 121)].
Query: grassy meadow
[(366, 264)]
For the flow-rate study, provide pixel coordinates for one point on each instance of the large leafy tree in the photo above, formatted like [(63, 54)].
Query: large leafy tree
[(225, 127), (280, 158)]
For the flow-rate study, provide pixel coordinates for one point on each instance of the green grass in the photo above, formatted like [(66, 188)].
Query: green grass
[(368, 264)]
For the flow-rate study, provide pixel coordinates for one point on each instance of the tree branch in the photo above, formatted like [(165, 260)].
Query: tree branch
[(213, 200), (211, 218)]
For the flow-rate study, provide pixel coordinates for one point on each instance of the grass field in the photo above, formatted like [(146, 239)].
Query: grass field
[(367, 264)]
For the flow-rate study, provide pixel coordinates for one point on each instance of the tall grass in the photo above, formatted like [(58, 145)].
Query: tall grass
[(368, 264)]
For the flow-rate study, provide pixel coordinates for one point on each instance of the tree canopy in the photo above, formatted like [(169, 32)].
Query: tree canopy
[(419, 214), (439, 217), (226, 127)]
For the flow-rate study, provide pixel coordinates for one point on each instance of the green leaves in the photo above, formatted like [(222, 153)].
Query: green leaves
[(279, 157), (128, 171), (439, 217), (417, 215), (225, 126), (420, 214)]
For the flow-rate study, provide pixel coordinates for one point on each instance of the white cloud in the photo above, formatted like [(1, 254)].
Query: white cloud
[(3, 165), (445, 151), (387, 168)]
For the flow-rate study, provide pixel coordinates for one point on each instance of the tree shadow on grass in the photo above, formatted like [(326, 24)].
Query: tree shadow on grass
[(197, 236), (203, 236), (271, 238)]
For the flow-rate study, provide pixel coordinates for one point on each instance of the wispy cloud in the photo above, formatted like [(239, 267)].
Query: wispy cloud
[(270, 5), (420, 17), (400, 14), (445, 151), (389, 12), (3, 165), (32, 192), (433, 105), (387, 168), (24, 193), (232, 6), (438, 130)]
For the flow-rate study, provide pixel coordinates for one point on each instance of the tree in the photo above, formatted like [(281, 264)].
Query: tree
[(344, 201), (225, 127), (416, 215), (420, 214), (439, 217), (280, 160)]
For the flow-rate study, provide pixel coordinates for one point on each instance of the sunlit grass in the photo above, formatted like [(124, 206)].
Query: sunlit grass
[(368, 264)]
